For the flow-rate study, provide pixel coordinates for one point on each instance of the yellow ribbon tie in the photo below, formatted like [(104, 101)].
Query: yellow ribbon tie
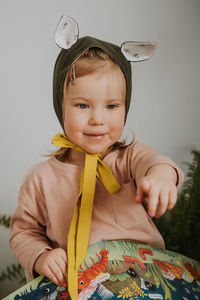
[(79, 231)]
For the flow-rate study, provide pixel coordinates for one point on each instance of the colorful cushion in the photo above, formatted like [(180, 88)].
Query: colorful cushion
[(124, 270)]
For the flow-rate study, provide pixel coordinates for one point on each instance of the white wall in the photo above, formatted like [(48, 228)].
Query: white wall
[(165, 104)]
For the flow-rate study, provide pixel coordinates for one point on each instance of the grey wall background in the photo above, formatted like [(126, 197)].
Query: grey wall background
[(165, 103)]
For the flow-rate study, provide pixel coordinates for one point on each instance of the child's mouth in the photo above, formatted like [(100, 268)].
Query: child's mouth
[(95, 136)]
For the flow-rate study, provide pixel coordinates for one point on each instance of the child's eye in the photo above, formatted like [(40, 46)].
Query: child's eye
[(111, 106), (83, 106)]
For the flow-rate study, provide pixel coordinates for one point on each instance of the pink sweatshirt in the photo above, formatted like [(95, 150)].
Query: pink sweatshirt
[(47, 197)]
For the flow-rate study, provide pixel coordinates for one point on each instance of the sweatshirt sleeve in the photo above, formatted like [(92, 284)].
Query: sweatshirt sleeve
[(28, 231), (144, 157)]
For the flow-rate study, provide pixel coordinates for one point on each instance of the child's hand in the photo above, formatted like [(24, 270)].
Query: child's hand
[(53, 264), (158, 190)]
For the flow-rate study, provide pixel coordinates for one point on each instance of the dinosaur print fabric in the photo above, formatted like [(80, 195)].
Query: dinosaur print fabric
[(124, 270)]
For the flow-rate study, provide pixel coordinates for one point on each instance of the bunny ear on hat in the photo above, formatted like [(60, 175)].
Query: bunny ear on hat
[(138, 51), (67, 32)]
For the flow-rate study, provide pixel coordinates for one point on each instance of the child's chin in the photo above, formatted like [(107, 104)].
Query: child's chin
[(94, 150)]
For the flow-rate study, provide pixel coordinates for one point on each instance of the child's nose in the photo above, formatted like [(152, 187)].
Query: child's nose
[(96, 117)]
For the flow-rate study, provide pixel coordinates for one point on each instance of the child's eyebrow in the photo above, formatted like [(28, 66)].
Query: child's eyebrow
[(79, 98), (118, 99)]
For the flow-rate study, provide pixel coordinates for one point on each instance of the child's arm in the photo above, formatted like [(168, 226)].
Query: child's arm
[(29, 240), (32, 248), (158, 189)]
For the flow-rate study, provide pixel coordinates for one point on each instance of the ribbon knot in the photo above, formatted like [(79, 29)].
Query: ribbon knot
[(79, 231)]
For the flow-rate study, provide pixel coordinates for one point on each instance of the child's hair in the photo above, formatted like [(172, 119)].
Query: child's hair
[(90, 61)]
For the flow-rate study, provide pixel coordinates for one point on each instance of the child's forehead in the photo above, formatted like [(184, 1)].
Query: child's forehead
[(108, 83), (90, 69)]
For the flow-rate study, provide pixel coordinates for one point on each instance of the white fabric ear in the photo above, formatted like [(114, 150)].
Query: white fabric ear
[(66, 32), (138, 51)]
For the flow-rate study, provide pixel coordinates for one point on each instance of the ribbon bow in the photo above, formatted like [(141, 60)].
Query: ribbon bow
[(79, 231)]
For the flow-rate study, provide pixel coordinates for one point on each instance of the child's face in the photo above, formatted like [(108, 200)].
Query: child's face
[(94, 110)]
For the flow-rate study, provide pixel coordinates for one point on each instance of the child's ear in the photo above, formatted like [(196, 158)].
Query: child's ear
[(67, 32), (138, 51)]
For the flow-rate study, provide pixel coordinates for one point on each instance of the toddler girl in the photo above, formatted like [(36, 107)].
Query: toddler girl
[(92, 90)]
